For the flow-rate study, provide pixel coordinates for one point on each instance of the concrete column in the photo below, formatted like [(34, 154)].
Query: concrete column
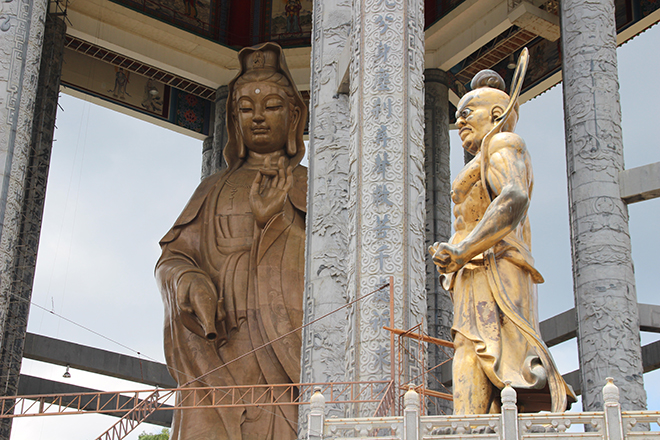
[(324, 343), (207, 158), (387, 185), (411, 415), (438, 222), (214, 145), (604, 283), (25, 97), (220, 136), (316, 416)]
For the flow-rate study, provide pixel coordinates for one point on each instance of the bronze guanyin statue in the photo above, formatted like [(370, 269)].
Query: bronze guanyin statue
[(232, 266)]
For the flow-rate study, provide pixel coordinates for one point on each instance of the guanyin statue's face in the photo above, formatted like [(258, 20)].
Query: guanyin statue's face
[(265, 116)]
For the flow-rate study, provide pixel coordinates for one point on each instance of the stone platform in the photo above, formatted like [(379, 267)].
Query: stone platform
[(609, 424)]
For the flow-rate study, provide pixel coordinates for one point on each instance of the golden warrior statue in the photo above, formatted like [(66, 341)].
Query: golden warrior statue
[(487, 264), (231, 270)]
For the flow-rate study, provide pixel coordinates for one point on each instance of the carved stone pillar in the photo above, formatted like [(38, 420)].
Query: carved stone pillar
[(324, 343), (207, 158), (604, 283), (214, 145), (220, 136), (387, 194), (28, 104), (438, 223)]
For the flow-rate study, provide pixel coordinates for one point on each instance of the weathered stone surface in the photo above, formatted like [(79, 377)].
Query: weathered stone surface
[(207, 153), (25, 96), (220, 129), (214, 145), (387, 184), (438, 223), (605, 297), (324, 343)]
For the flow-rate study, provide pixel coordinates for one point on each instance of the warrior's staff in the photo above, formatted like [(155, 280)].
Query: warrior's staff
[(516, 87)]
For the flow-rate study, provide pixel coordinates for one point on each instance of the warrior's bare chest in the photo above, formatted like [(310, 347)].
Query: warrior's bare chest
[(468, 194)]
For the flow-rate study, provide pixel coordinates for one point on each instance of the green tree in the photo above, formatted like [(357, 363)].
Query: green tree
[(164, 435)]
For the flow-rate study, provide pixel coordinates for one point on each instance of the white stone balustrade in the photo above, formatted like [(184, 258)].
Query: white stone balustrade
[(610, 424)]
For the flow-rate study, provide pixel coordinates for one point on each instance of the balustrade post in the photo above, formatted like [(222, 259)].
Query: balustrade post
[(509, 413), (316, 416), (612, 411), (411, 413)]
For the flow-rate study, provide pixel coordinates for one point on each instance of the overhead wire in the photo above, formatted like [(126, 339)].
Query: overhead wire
[(139, 354), (54, 313), (289, 333), (200, 378)]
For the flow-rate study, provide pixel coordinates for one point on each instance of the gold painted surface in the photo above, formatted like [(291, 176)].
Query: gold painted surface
[(488, 267), (231, 270)]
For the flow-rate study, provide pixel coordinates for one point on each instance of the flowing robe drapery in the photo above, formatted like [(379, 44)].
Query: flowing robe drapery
[(258, 272), (495, 301)]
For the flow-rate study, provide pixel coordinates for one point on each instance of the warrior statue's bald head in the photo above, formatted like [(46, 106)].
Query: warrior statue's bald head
[(478, 109)]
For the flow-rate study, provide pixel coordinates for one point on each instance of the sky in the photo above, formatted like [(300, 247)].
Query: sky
[(117, 184)]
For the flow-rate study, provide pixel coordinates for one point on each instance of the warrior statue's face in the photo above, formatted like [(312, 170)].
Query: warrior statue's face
[(476, 116), (265, 116)]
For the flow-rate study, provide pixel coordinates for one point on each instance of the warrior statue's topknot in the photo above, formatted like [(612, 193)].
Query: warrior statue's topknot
[(490, 82), (488, 78)]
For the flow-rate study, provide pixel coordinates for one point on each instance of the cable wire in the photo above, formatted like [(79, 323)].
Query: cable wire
[(199, 378), (288, 333)]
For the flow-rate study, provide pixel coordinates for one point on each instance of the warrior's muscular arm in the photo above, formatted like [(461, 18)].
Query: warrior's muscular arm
[(508, 178)]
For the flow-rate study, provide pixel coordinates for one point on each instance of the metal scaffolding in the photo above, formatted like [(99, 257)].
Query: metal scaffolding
[(135, 406)]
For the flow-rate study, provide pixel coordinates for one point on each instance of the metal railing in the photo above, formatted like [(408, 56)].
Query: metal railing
[(609, 424), (133, 418), (190, 398)]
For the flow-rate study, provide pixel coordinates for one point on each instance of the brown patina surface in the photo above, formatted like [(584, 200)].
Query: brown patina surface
[(231, 270)]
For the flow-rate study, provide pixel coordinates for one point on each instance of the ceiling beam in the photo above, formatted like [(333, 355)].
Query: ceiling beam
[(554, 331), (108, 363), (463, 31), (150, 41), (559, 328), (641, 183)]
